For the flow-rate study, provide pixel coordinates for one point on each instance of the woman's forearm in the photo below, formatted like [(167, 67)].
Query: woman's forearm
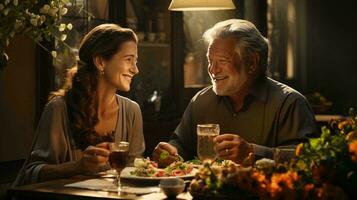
[(50, 172)]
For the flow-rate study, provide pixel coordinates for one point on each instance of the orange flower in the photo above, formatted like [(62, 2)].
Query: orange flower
[(298, 150), (307, 192), (353, 150), (351, 136), (260, 181), (260, 177), (283, 184), (309, 187), (343, 124)]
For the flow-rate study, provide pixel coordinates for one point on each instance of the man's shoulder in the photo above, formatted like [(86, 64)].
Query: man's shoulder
[(204, 94), (281, 90)]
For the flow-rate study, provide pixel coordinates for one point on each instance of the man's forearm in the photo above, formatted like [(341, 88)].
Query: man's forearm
[(263, 152)]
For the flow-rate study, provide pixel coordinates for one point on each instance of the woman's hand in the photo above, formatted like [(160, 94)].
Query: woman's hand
[(94, 159)]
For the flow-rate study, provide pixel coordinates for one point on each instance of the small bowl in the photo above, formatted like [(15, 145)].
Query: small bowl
[(172, 186)]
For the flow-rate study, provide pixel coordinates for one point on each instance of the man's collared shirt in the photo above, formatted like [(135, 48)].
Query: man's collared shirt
[(273, 114)]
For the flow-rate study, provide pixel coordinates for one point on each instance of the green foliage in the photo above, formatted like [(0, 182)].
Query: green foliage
[(327, 158), (37, 19)]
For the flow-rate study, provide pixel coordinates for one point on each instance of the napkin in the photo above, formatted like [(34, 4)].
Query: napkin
[(108, 185), (95, 184)]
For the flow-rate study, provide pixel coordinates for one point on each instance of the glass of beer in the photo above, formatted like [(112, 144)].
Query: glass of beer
[(205, 145), (283, 154), (118, 157)]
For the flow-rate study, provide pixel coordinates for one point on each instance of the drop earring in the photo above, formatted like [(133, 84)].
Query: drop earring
[(251, 70), (101, 71)]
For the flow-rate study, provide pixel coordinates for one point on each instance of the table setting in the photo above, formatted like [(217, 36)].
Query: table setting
[(323, 167)]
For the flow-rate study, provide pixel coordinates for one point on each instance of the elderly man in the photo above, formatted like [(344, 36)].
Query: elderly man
[(255, 113)]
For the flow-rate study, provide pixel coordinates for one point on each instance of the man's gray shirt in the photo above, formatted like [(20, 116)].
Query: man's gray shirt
[(273, 114)]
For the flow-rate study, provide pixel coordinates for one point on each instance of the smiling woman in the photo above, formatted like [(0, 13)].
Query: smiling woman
[(119, 70), (83, 117)]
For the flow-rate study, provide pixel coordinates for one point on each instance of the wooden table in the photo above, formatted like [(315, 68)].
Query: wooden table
[(56, 190)]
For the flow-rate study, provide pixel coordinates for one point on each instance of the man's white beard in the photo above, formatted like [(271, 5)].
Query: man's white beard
[(219, 92)]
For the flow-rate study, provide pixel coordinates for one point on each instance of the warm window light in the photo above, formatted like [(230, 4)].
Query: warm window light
[(191, 5)]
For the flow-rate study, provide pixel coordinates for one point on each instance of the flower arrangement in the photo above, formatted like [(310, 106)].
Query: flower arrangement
[(330, 161), (40, 19), (325, 168)]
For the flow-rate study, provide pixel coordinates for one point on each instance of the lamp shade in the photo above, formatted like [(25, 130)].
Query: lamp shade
[(192, 5)]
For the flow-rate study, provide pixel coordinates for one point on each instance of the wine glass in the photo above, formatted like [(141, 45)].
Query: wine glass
[(205, 145), (118, 157)]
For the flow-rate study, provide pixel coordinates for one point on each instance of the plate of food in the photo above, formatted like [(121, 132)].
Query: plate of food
[(145, 169), (196, 163)]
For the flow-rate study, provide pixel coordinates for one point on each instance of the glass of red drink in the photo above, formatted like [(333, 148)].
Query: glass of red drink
[(119, 153)]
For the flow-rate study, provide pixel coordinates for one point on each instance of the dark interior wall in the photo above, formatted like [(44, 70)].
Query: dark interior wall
[(331, 51), (17, 100)]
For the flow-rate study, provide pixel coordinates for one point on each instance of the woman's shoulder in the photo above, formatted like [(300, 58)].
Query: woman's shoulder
[(128, 103), (56, 103)]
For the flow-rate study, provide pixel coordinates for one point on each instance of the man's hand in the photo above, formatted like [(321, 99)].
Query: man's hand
[(232, 147), (165, 154)]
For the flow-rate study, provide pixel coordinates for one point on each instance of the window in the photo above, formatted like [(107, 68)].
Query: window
[(195, 63), (84, 15)]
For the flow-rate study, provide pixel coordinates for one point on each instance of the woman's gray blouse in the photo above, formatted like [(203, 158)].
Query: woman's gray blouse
[(54, 142)]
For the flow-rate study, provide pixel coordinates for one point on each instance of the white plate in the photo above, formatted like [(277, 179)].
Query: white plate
[(125, 174), (111, 173)]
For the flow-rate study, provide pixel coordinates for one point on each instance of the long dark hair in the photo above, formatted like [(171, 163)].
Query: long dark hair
[(80, 88)]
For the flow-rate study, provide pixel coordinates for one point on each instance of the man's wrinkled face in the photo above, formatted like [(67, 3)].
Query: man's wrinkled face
[(226, 67)]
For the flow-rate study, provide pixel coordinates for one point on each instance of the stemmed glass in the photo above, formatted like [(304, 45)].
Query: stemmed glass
[(118, 157), (205, 145)]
